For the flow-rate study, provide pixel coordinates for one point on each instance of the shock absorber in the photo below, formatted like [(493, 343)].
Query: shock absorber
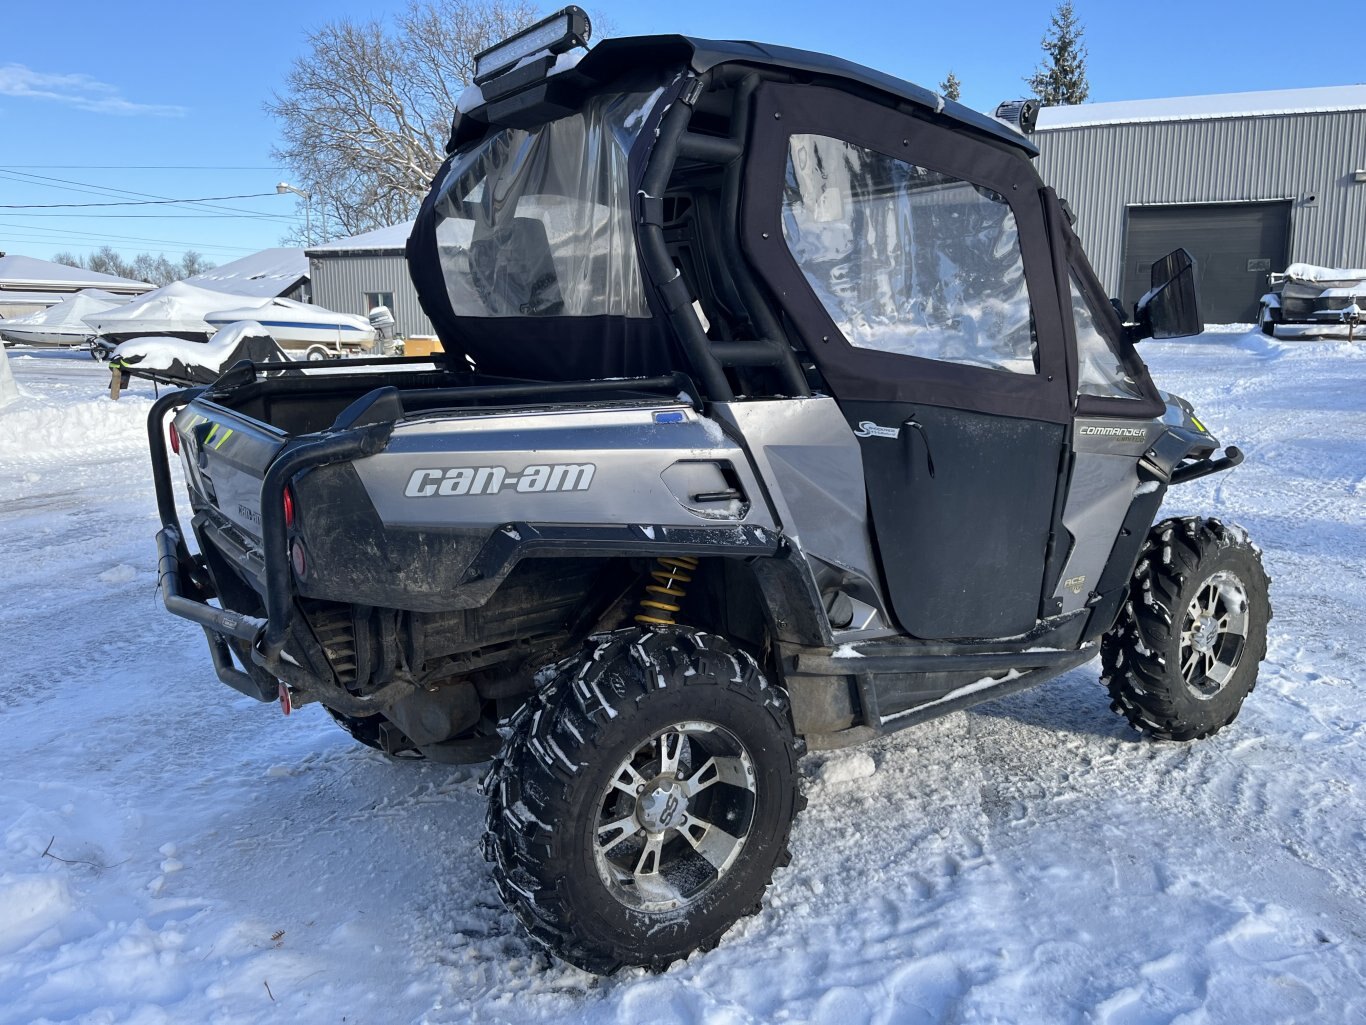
[(663, 599)]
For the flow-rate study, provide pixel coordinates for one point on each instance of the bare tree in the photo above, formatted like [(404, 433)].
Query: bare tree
[(366, 110), (152, 267), (192, 263)]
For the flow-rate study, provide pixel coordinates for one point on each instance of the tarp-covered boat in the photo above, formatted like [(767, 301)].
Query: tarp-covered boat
[(176, 310), (62, 324), (297, 325)]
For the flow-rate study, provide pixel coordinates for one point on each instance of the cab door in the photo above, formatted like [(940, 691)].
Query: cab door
[(914, 261)]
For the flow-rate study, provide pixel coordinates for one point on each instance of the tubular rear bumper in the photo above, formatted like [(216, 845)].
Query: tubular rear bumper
[(184, 588)]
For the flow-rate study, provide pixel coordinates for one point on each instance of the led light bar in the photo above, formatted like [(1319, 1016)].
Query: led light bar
[(1020, 114), (553, 35)]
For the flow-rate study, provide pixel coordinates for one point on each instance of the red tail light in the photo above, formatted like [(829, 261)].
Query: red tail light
[(289, 507), (175, 440)]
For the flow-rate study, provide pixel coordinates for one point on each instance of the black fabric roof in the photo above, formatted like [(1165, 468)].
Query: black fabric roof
[(613, 56)]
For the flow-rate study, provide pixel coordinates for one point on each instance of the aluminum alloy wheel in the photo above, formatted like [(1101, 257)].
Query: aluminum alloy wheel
[(1214, 634), (675, 817)]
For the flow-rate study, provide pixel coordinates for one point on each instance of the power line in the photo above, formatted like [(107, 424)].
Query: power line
[(130, 202), (91, 188), (71, 232), (159, 217), (150, 167), (58, 235), (55, 245)]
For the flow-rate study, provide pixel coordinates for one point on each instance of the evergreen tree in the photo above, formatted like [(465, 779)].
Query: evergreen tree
[(1061, 78), (951, 88)]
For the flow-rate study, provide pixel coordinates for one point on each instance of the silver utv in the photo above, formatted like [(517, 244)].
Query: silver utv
[(781, 410)]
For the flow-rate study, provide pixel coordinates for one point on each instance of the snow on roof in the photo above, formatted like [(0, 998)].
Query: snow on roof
[(30, 274), (380, 240), (1198, 108), (266, 274)]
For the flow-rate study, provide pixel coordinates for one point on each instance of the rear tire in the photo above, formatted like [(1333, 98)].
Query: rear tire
[(317, 353), (607, 802), (1184, 653)]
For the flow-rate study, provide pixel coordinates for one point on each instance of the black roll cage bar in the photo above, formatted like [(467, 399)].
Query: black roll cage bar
[(709, 358)]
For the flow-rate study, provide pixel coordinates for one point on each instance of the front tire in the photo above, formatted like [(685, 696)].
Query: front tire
[(642, 800), (1185, 650)]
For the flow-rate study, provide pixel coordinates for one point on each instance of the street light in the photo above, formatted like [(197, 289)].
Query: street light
[(284, 187)]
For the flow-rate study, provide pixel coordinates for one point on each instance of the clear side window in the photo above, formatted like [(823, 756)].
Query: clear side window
[(908, 260), (1100, 367)]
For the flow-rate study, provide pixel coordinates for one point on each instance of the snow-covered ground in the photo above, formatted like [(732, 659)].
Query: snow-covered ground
[(171, 852)]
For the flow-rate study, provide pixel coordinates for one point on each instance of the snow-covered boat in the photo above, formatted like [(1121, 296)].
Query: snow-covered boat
[(1311, 300), (180, 361), (297, 325), (176, 310), (59, 325)]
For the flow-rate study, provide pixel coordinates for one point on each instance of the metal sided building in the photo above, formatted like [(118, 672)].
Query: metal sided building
[(354, 275), (1247, 182)]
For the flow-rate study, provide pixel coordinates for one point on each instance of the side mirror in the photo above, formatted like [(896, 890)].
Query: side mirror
[(1169, 308)]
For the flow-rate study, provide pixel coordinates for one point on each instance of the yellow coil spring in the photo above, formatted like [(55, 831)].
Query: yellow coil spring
[(663, 598)]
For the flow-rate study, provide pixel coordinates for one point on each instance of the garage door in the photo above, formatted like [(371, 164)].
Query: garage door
[(1235, 245)]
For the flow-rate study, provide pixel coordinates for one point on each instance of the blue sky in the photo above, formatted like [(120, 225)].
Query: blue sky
[(166, 98)]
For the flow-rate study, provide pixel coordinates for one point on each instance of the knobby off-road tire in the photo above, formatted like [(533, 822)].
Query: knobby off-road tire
[(643, 798), (1185, 650)]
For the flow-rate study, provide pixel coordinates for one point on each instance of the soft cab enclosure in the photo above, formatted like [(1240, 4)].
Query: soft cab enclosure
[(709, 207)]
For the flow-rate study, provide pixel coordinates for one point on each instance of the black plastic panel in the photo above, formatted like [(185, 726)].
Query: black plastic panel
[(961, 505)]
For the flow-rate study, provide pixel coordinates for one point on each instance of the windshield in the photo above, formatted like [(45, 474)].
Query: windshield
[(537, 222)]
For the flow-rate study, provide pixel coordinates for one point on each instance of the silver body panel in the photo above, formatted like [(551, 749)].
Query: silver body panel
[(611, 465), (806, 451), (1104, 483)]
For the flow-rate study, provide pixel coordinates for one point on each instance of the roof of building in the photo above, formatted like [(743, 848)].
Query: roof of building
[(27, 273), (265, 275), (382, 240), (1322, 99)]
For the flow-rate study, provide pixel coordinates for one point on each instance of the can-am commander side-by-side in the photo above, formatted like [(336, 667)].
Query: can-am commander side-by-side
[(781, 409)]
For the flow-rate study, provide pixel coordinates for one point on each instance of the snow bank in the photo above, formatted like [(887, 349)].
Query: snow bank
[(9, 391), (39, 429)]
